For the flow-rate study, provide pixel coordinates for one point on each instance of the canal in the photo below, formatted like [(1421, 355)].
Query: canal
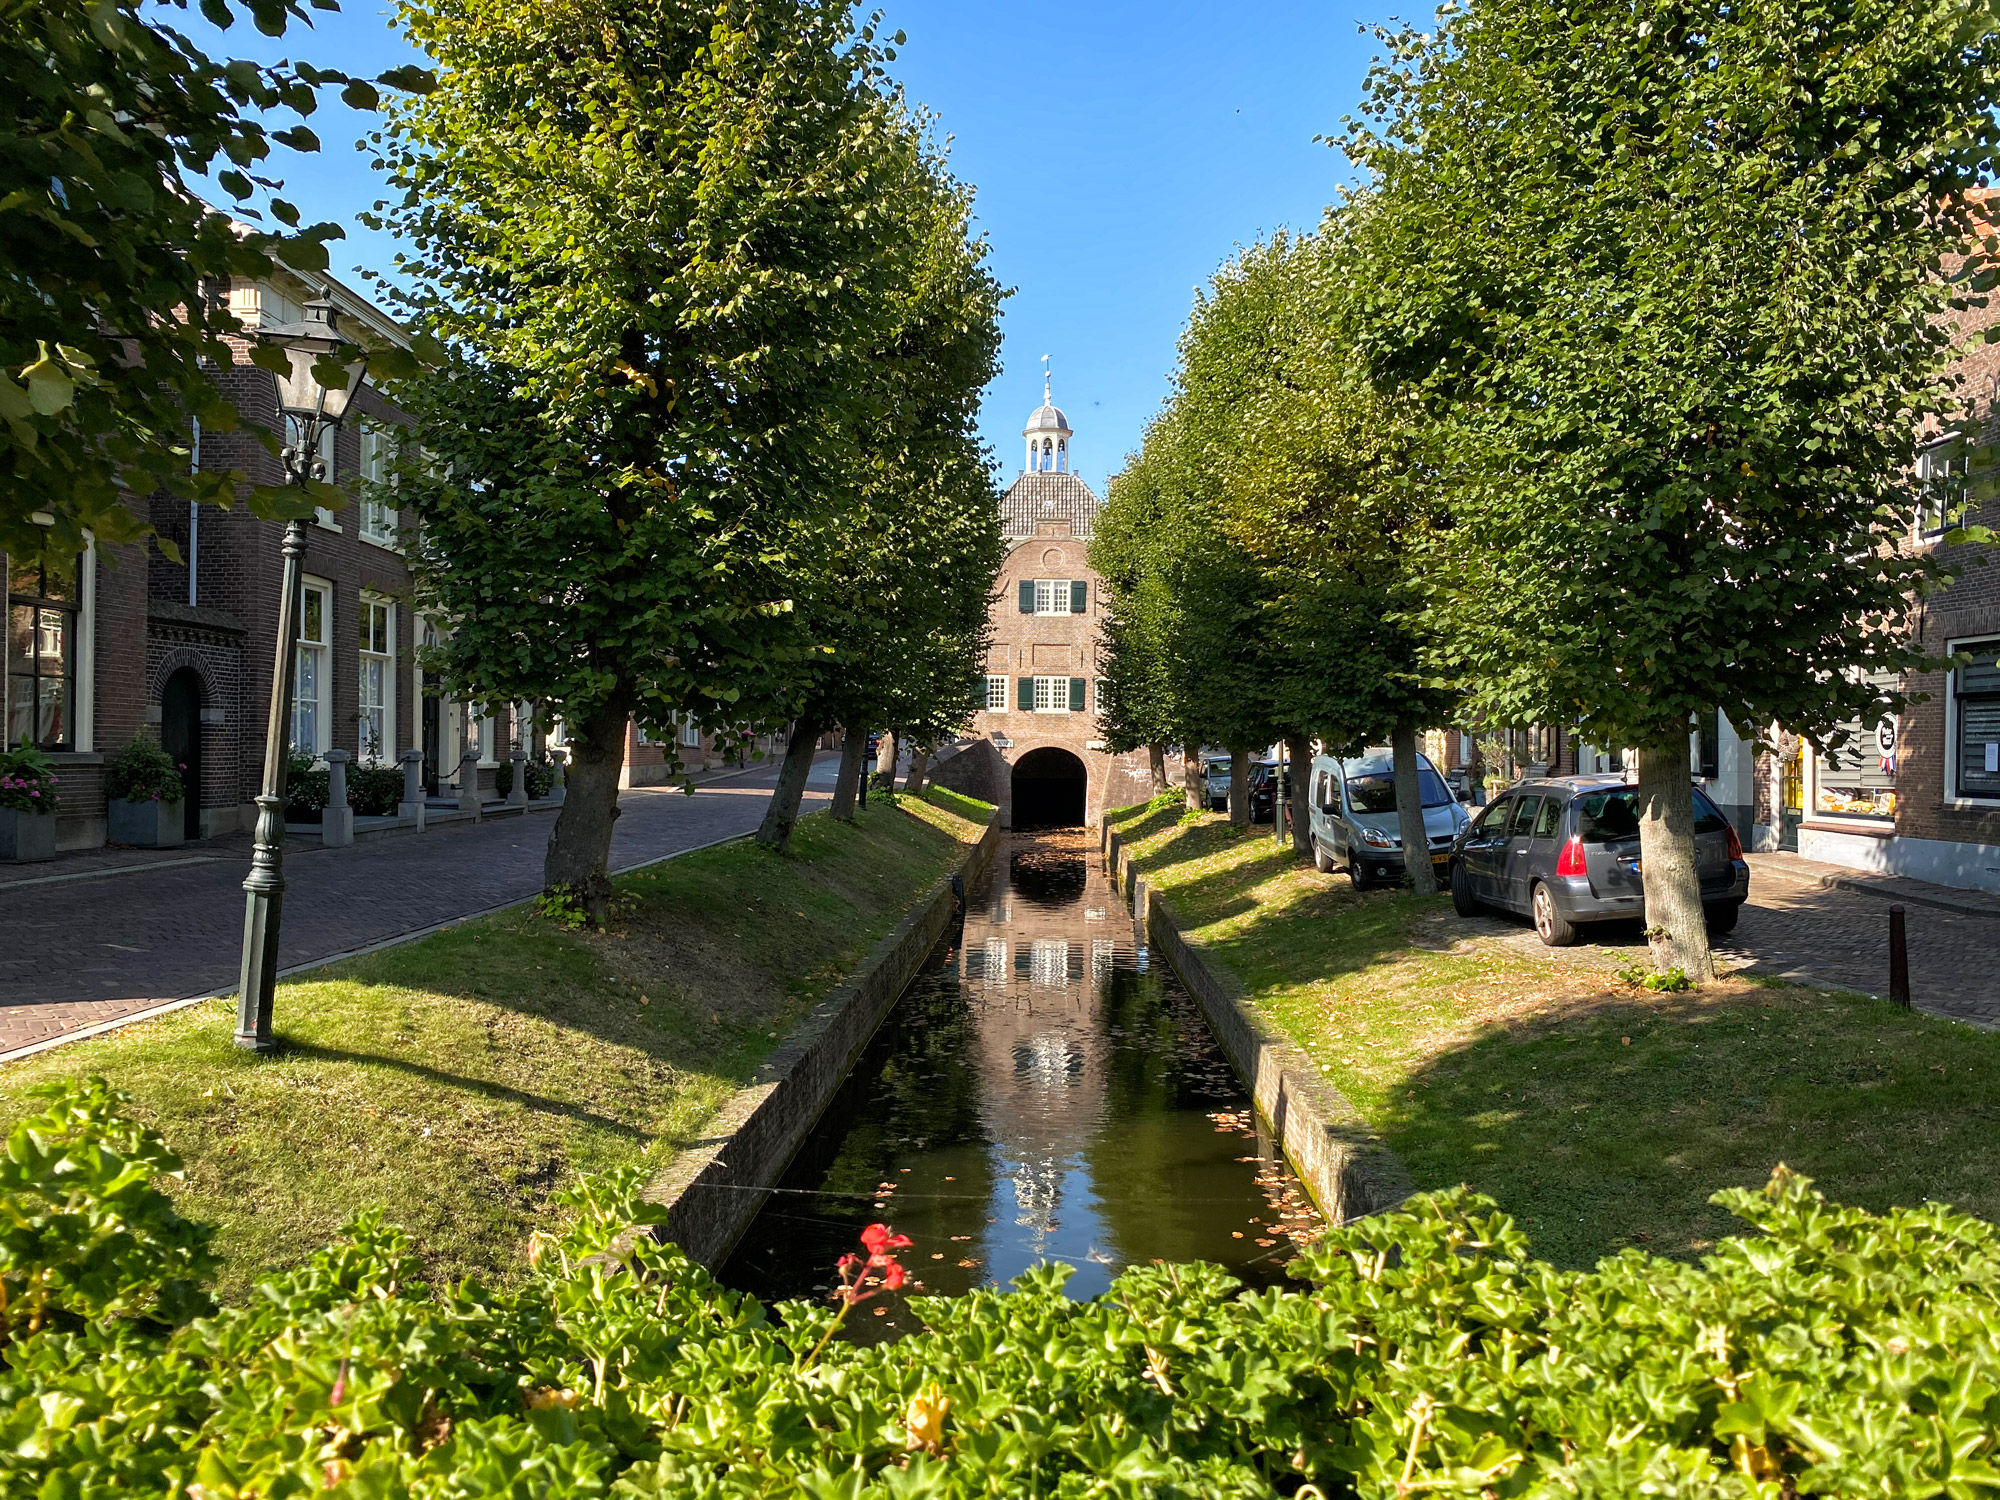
[(1041, 1092)]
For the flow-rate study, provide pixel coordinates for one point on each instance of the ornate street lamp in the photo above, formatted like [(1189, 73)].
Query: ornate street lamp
[(326, 370)]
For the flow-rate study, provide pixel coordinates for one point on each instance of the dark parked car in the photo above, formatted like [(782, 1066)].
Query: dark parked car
[(1565, 851), (1263, 785)]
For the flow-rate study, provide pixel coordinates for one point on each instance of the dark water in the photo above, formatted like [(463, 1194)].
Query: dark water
[(1042, 1092)]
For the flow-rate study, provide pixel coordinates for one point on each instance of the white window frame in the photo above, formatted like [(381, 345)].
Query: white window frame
[(378, 519), (489, 739), (365, 614), (319, 653), (1055, 689), (1936, 464), (1052, 596), (996, 694), (690, 732), (1952, 796)]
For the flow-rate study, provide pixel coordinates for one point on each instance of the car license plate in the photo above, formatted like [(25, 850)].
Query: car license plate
[(1440, 859)]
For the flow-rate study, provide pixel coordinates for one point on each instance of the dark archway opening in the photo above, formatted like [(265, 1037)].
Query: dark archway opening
[(1049, 787), (180, 737)]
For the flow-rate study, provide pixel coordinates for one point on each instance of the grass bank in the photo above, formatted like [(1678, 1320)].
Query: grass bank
[(970, 808), (1599, 1115), (460, 1080)]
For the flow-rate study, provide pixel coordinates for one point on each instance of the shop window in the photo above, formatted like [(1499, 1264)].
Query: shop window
[(1975, 712), (43, 615), (1859, 779)]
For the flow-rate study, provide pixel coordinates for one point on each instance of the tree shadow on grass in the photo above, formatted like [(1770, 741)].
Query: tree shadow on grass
[(498, 1093), (1605, 1120)]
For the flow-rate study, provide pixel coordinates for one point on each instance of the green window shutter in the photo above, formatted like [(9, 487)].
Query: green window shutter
[(1027, 596), (1076, 690), (979, 695), (1079, 597), (1027, 694)]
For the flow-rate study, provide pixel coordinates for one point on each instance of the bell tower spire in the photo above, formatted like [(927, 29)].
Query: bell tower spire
[(1048, 433)]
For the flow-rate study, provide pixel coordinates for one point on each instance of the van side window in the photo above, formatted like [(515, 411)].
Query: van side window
[(1551, 818)]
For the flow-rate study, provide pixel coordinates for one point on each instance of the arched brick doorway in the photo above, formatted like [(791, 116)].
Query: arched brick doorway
[(1050, 787)]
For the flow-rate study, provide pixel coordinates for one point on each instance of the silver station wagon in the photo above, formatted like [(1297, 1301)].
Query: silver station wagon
[(1565, 852)]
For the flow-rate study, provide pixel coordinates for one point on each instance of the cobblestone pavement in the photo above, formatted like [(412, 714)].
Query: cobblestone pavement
[(75, 954), (1793, 927)]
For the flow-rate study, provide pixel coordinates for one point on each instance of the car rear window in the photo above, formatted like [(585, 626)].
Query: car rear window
[(1604, 817), (1376, 792)]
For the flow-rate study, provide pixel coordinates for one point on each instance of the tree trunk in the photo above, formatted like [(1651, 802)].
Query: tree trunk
[(1410, 812), (920, 761), (1298, 796), (579, 852), (1675, 925), (1239, 788), (1194, 779), (853, 754), (1156, 755), (776, 830)]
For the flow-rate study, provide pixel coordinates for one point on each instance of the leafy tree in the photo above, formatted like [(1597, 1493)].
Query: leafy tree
[(109, 259), (1666, 281), (665, 240)]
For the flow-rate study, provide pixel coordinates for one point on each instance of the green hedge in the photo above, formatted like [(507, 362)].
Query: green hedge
[(970, 808), (1424, 1353)]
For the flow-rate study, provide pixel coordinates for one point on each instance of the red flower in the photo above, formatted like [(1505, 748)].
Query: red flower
[(879, 1239), (892, 1277)]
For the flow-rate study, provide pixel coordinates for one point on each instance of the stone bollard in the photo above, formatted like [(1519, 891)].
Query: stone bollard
[(336, 824), (559, 764), (412, 808), (468, 781), (517, 794)]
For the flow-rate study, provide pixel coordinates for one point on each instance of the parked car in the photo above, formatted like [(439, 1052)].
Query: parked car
[(1217, 783), (1564, 851), (1354, 821)]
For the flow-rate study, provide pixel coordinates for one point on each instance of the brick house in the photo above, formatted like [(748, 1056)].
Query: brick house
[(1033, 746), (126, 641)]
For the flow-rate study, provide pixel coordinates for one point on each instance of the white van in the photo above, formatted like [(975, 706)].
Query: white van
[(1354, 816)]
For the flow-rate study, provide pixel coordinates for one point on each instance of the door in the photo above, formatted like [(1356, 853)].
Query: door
[(433, 737), (1517, 873), (1485, 848), (180, 737)]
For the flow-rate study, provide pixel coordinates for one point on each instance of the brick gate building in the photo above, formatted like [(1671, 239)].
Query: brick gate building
[(1035, 748)]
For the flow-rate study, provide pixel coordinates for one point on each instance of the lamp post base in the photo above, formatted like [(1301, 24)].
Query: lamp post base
[(263, 908)]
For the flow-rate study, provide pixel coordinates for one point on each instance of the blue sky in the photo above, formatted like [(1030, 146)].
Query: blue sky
[(1120, 152)]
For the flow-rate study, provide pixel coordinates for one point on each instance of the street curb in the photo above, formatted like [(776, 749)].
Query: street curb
[(166, 1007), (1881, 893), (715, 1186), (1336, 1153)]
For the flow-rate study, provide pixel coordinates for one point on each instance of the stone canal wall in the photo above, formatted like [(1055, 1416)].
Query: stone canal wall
[(1344, 1165), (714, 1188)]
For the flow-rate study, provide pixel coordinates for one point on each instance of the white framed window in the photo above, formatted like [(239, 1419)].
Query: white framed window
[(1048, 962), (1972, 723), (312, 691), (378, 517), (996, 695), (376, 741), (1941, 473), (690, 732), (1054, 596), (484, 729), (49, 646), (1052, 695)]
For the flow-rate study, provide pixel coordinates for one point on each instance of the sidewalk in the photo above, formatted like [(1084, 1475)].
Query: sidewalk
[(91, 953), (1888, 887), (117, 859)]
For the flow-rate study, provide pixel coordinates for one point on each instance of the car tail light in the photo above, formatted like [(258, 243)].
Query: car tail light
[(1735, 844), (1571, 860)]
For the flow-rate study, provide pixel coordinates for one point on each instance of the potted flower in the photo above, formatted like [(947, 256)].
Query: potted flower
[(144, 789), (28, 805)]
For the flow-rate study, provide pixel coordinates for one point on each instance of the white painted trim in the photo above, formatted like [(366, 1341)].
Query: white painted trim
[(86, 647), (1952, 798)]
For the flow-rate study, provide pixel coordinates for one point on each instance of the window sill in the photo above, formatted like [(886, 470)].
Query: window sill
[(1972, 804), (76, 757), (1877, 828), (386, 543)]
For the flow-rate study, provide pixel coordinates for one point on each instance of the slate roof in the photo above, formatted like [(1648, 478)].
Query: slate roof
[(1048, 496), (1046, 418)]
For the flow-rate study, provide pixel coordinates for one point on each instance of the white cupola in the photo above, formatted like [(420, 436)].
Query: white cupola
[(1048, 433)]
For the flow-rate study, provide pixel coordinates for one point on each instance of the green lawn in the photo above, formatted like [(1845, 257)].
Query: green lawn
[(957, 802), (459, 1080), (1600, 1116)]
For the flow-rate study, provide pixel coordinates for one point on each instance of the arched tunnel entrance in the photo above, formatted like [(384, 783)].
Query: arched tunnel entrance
[(1049, 787)]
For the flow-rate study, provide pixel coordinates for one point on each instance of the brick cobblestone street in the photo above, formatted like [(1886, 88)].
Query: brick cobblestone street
[(1796, 928), (78, 953)]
